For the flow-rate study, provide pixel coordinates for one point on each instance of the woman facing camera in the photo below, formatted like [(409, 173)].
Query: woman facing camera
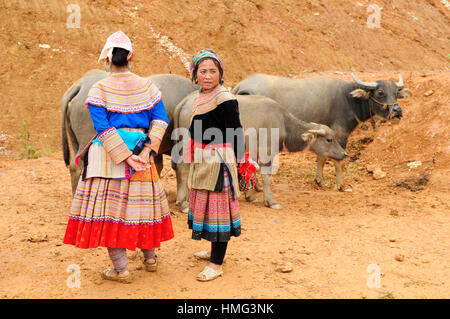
[(214, 187)]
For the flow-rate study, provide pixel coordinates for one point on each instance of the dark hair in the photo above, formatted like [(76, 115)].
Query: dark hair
[(119, 57), (194, 74)]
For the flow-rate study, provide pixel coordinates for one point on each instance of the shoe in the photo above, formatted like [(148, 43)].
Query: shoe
[(209, 274), (106, 274), (151, 266), (203, 254)]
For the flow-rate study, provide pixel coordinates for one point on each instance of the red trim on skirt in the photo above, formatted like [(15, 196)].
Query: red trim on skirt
[(115, 235)]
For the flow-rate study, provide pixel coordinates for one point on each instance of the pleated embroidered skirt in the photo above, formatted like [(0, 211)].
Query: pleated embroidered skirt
[(214, 216), (120, 213)]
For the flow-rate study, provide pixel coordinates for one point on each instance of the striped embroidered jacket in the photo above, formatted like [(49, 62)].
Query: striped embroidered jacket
[(217, 109), (123, 100)]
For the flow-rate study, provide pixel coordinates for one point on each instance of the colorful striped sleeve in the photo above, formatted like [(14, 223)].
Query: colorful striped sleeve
[(158, 126), (114, 145), (108, 135)]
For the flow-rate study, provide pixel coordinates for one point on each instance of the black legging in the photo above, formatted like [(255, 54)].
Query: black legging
[(218, 250)]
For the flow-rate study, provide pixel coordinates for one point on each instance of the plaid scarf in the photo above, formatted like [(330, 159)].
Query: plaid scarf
[(200, 55)]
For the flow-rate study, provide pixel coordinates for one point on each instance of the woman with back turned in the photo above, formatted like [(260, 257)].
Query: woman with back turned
[(120, 202)]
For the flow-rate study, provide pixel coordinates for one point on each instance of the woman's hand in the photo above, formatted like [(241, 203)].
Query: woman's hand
[(145, 154), (136, 163)]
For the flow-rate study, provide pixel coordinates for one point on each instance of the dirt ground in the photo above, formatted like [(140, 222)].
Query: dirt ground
[(397, 226)]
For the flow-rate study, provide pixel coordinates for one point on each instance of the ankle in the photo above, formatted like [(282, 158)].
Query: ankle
[(215, 266)]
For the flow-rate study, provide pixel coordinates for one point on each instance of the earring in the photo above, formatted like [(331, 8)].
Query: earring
[(107, 66)]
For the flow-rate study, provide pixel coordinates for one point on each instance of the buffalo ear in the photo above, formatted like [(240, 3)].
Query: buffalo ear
[(360, 94), (403, 93), (308, 137)]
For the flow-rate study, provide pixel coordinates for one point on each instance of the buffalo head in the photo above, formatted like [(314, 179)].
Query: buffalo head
[(322, 141), (382, 96)]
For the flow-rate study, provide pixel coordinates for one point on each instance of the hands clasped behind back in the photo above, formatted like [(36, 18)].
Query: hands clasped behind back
[(137, 163)]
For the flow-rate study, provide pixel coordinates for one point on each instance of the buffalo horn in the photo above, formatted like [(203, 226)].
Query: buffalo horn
[(400, 82), (367, 85), (320, 131)]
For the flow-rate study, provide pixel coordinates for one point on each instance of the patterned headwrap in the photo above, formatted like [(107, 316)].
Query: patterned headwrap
[(116, 40), (196, 58)]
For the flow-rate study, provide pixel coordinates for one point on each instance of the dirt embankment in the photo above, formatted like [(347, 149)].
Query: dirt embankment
[(277, 37)]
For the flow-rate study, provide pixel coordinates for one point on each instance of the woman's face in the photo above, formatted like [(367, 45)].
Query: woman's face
[(208, 74)]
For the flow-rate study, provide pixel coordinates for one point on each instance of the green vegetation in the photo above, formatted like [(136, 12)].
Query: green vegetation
[(28, 150)]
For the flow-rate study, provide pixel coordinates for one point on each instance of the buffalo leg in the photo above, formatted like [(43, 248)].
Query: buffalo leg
[(319, 172), (267, 189), (182, 172), (250, 196), (339, 168), (258, 187)]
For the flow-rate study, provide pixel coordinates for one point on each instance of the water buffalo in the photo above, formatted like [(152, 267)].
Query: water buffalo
[(77, 123), (337, 103), (259, 117)]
